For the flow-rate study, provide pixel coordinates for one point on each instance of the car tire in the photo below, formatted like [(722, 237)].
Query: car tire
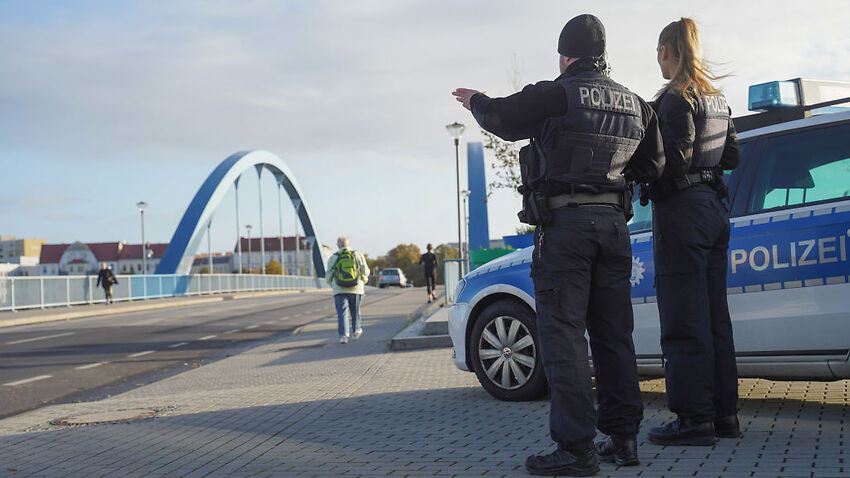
[(380, 286), (505, 371)]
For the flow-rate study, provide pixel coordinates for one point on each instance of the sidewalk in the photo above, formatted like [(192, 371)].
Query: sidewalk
[(308, 406)]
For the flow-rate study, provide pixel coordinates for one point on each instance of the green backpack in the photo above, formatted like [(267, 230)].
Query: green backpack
[(346, 270)]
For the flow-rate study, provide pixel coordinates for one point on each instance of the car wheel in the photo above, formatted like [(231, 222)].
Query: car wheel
[(505, 354), (380, 286)]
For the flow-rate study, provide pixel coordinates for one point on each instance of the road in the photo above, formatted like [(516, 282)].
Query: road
[(90, 358)]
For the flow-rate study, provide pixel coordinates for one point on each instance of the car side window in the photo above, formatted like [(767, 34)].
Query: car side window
[(802, 168), (642, 220)]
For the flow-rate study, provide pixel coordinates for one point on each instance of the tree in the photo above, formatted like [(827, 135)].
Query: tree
[(273, 267), (506, 165), (406, 258), (204, 270)]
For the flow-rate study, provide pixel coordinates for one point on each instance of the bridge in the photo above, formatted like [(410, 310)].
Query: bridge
[(180, 254)]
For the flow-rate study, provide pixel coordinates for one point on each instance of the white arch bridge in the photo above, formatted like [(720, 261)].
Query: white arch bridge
[(184, 244)]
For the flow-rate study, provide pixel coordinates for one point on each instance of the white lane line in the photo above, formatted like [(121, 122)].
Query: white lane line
[(27, 380), (139, 354), (39, 338), (251, 327), (174, 346), (208, 337), (91, 365), (231, 331)]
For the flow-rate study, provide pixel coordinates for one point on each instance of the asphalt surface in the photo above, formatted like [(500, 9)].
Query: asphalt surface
[(95, 357)]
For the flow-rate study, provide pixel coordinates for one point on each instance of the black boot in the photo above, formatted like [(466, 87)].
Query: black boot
[(727, 427), (564, 462), (683, 431), (618, 449)]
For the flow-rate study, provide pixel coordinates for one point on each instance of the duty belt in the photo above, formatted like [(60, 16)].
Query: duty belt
[(705, 176), (580, 198)]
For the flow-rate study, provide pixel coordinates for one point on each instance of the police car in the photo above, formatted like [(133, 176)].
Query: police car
[(788, 270)]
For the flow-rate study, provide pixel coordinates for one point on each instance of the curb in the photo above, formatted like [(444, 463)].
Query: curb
[(412, 338)]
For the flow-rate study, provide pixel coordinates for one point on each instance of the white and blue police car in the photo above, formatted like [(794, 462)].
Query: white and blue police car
[(788, 273)]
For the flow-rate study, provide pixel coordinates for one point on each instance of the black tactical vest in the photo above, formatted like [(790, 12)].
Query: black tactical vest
[(588, 148), (711, 121)]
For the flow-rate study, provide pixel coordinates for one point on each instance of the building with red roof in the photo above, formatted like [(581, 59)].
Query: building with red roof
[(82, 259)]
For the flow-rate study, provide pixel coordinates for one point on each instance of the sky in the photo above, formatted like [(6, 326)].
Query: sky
[(104, 104)]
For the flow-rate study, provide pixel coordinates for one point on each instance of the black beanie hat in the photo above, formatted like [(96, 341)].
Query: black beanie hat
[(583, 36)]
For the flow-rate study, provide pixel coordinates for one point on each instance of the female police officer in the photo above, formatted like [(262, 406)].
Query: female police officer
[(691, 237)]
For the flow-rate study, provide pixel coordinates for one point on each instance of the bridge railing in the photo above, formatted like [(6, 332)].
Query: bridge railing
[(18, 293)]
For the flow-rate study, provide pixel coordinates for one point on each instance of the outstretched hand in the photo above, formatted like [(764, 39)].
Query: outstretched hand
[(463, 95)]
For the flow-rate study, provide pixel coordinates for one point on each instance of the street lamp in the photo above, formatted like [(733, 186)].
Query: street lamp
[(465, 193), (250, 264), (142, 205), (455, 130)]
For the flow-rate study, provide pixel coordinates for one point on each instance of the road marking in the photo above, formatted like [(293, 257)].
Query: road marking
[(251, 327), (27, 380), (39, 338), (174, 346), (208, 337), (139, 354), (297, 330), (91, 365), (231, 331)]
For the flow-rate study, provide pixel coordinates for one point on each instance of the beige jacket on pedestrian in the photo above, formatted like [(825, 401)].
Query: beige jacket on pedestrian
[(364, 275)]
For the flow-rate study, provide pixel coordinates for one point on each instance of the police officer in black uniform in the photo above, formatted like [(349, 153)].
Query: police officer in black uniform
[(690, 240), (591, 136)]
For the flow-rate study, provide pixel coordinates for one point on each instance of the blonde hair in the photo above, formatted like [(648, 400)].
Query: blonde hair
[(692, 77)]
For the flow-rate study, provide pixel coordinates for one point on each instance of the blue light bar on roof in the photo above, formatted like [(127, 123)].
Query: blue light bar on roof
[(772, 95)]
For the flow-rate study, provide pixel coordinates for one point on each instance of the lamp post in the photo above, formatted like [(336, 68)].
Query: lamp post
[(250, 262), (455, 130), (465, 193), (142, 205)]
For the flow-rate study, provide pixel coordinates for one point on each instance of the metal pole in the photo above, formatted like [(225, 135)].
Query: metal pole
[(250, 259), (280, 222), (238, 231), (262, 237), (297, 242), (459, 228), (209, 246), (466, 228), (144, 248)]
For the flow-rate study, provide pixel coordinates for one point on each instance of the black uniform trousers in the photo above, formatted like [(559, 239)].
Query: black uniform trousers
[(581, 268), (690, 240)]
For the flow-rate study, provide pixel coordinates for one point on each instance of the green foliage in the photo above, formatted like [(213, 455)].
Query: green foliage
[(273, 267), (506, 165), (406, 257), (204, 270), (525, 229)]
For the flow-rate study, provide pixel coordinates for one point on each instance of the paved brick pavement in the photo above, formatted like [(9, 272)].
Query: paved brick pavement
[(307, 406)]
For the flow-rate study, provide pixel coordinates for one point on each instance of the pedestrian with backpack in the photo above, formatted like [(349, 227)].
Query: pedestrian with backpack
[(347, 275)]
